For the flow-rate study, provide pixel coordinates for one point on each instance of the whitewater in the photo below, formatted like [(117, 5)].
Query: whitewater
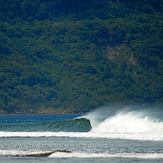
[(120, 125)]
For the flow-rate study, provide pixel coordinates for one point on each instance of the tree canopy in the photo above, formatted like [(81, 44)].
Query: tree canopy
[(72, 56)]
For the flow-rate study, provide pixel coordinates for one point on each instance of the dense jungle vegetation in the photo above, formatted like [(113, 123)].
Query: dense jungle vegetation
[(75, 55)]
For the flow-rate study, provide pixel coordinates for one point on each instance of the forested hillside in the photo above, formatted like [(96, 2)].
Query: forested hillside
[(75, 55)]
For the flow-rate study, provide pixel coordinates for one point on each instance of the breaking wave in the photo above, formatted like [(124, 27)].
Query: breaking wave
[(125, 124), (73, 125)]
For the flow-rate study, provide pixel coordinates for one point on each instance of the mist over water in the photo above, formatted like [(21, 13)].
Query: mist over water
[(131, 122), (125, 120), (116, 122)]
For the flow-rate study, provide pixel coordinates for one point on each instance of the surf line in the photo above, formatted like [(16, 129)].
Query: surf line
[(40, 154)]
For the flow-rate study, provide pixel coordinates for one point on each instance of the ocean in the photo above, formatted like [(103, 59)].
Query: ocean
[(100, 136)]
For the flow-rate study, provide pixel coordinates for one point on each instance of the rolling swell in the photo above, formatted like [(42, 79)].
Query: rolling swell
[(73, 125)]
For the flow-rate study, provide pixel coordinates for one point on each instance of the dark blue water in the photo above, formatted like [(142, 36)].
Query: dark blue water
[(36, 118), (66, 122)]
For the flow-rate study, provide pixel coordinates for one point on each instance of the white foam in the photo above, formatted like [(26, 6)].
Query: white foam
[(130, 122), (108, 155), (132, 136)]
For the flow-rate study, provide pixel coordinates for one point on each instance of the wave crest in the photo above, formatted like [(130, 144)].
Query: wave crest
[(129, 122), (73, 125)]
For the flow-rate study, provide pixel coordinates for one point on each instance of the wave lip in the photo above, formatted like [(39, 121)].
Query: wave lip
[(71, 125)]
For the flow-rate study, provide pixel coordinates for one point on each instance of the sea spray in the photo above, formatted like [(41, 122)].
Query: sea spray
[(118, 123), (128, 122), (98, 115)]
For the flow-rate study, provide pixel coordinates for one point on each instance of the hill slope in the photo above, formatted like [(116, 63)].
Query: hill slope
[(65, 55)]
